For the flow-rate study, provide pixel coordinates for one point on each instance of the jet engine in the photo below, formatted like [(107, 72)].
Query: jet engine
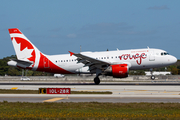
[(117, 71)]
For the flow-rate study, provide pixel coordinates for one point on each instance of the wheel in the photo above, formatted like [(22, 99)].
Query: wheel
[(152, 77), (96, 80)]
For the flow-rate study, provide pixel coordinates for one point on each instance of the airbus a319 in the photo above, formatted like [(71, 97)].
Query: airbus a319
[(109, 63)]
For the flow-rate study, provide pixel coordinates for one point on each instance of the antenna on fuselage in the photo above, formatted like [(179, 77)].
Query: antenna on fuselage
[(148, 47)]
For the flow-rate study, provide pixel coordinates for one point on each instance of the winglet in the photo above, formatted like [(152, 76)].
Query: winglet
[(71, 53)]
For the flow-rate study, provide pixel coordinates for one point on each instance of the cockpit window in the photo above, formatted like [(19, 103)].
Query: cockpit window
[(164, 53)]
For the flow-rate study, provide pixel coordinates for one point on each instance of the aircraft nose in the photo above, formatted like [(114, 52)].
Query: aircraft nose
[(173, 59)]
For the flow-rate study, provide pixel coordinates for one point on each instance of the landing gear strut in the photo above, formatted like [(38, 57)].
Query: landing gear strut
[(152, 76), (96, 80)]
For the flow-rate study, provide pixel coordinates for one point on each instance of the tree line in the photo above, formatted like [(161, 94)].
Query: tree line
[(15, 71)]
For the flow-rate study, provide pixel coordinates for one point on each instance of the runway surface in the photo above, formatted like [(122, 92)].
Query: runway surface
[(121, 93), (88, 98), (90, 83)]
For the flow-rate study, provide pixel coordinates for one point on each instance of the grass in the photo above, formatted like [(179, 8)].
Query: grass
[(9, 91), (12, 91), (86, 110), (90, 111)]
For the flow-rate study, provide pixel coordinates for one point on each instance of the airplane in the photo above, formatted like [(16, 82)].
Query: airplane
[(109, 63)]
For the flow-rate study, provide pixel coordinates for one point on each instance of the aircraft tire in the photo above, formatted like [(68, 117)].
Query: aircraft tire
[(96, 80), (153, 77)]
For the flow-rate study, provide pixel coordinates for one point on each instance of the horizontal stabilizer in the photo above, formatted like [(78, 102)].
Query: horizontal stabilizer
[(22, 62)]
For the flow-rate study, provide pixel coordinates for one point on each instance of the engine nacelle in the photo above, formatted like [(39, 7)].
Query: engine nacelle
[(118, 71)]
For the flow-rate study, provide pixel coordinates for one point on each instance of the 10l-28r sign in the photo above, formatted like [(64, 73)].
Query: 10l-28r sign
[(54, 90), (58, 90)]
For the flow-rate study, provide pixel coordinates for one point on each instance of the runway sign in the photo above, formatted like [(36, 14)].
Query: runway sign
[(42, 90), (54, 90)]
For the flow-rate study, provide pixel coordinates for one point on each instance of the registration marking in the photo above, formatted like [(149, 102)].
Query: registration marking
[(97, 90)]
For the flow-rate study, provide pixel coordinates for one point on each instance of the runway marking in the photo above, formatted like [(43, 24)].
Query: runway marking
[(97, 90), (147, 91), (14, 88), (53, 99)]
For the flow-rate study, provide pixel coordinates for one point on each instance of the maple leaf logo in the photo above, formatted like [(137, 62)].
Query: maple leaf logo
[(24, 49)]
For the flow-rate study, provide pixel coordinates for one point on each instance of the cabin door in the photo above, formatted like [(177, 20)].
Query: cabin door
[(151, 55)]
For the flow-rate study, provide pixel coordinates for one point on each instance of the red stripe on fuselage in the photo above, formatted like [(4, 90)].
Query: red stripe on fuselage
[(47, 66)]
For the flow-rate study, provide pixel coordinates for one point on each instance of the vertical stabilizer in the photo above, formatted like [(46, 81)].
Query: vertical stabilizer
[(24, 49)]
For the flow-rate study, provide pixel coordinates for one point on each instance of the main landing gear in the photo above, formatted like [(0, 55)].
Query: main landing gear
[(96, 80)]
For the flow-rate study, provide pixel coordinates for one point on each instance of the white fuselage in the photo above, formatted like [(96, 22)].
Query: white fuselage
[(136, 59)]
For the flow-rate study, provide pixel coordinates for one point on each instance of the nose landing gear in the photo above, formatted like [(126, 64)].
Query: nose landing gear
[(152, 76)]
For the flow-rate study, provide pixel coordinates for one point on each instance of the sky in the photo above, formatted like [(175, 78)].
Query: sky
[(59, 26)]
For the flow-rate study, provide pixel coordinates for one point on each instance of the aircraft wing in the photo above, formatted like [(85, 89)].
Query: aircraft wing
[(89, 61)]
